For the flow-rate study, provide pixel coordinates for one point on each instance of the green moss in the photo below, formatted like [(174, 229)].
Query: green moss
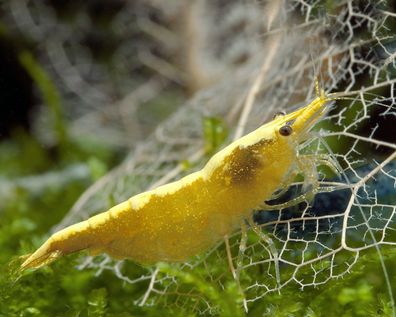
[(62, 290), (215, 133)]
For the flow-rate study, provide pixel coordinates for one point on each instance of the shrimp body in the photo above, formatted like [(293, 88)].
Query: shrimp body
[(181, 219)]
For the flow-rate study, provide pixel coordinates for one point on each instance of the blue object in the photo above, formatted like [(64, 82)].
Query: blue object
[(381, 186)]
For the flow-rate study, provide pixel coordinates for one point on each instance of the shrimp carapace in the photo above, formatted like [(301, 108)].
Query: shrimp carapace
[(184, 218)]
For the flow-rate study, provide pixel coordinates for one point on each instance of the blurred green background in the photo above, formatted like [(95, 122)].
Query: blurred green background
[(44, 168)]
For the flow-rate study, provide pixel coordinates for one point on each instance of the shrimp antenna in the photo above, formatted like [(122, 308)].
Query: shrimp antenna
[(318, 91)]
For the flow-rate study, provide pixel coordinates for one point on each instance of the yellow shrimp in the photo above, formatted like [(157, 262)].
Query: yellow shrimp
[(178, 220)]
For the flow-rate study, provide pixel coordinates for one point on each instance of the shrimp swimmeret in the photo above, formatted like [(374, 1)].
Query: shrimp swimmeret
[(182, 219)]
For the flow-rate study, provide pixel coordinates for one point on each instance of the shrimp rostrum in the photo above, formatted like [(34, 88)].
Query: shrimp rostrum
[(182, 219)]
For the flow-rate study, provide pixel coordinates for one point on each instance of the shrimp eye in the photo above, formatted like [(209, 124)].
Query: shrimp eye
[(279, 114), (286, 130)]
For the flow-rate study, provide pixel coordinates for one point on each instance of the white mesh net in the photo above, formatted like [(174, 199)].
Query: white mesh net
[(245, 60)]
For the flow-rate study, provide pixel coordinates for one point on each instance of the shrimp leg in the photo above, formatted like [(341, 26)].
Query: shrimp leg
[(271, 245), (241, 251)]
